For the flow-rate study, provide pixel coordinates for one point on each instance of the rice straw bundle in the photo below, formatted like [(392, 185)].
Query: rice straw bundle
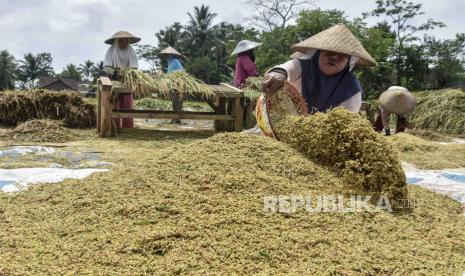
[(140, 83), (69, 106), (252, 88), (178, 82), (442, 111), (182, 83)]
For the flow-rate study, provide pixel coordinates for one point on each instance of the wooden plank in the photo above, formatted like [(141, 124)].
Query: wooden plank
[(99, 102), (238, 114), (211, 104), (105, 121), (105, 81), (226, 91), (154, 114)]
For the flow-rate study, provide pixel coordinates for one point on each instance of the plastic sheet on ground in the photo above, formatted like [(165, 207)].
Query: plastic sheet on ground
[(78, 166), (450, 182)]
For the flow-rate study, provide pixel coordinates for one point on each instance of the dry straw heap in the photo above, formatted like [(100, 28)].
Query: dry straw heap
[(442, 111), (165, 84), (20, 106)]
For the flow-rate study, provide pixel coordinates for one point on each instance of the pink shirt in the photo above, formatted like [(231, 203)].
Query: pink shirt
[(245, 68)]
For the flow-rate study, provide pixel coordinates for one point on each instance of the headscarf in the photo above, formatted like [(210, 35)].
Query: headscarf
[(323, 92), (120, 58), (174, 64)]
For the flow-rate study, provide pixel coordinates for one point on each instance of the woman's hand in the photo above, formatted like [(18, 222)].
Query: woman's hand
[(272, 82)]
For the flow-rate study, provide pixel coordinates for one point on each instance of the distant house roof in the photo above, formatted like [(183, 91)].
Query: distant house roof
[(56, 83)]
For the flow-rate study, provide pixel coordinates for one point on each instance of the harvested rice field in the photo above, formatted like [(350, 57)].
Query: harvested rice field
[(192, 202)]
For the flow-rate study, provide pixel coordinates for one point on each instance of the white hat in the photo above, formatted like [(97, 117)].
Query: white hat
[(337, 39), (244, 46), (123, 34), (398, 100)]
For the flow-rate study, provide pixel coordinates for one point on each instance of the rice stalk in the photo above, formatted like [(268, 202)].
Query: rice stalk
[(252, 88), (442, 111), (179, 82), (69, 106)]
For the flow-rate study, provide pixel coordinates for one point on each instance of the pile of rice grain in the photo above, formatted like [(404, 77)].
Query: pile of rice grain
[(344, 141), (198, 209), (51, 131), (20, 106)]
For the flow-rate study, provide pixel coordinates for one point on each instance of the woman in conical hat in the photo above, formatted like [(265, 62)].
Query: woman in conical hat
[(322, 70), (121, 55), (396, 100), (172, 56), (245, 61)]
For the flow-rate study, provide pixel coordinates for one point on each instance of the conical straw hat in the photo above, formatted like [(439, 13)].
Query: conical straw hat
[(397, 100), (337, 39), (170, 51), (244, 46), (122, 34)]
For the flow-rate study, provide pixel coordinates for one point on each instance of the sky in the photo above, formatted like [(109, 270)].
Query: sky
[(74, 30)]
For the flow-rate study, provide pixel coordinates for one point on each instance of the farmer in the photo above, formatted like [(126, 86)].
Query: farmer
[(245, 62), (396, 100), (321, 70), (121, 55), (172, 56)]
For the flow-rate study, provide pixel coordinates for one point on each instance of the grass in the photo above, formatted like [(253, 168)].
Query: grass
[(179, 203)]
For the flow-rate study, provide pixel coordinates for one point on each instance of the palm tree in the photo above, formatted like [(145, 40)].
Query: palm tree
[(32, 67), (171, 36), (86, 69), (7, 70), (97, 70), (199, 28), (71, 72)]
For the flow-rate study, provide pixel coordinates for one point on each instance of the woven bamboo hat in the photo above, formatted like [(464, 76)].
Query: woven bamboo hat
[(122, 34), (397, 100), (244, 46), (337, 39), (170, 51)]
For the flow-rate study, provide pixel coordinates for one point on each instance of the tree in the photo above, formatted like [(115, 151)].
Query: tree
[(71, 72), (97, 71), (7, 70), (199, 30), (311, 22), (226, 36), (276, 47), (173, 36), (447, 59), (378, 41), (272, 14), (401, 13), (86, 69), (204, 68), (32, 67)]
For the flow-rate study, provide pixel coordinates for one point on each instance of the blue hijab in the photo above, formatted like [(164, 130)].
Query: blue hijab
[(322, 92), (174, 64)]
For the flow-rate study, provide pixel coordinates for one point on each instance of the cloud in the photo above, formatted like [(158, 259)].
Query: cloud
[(74, 30)]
